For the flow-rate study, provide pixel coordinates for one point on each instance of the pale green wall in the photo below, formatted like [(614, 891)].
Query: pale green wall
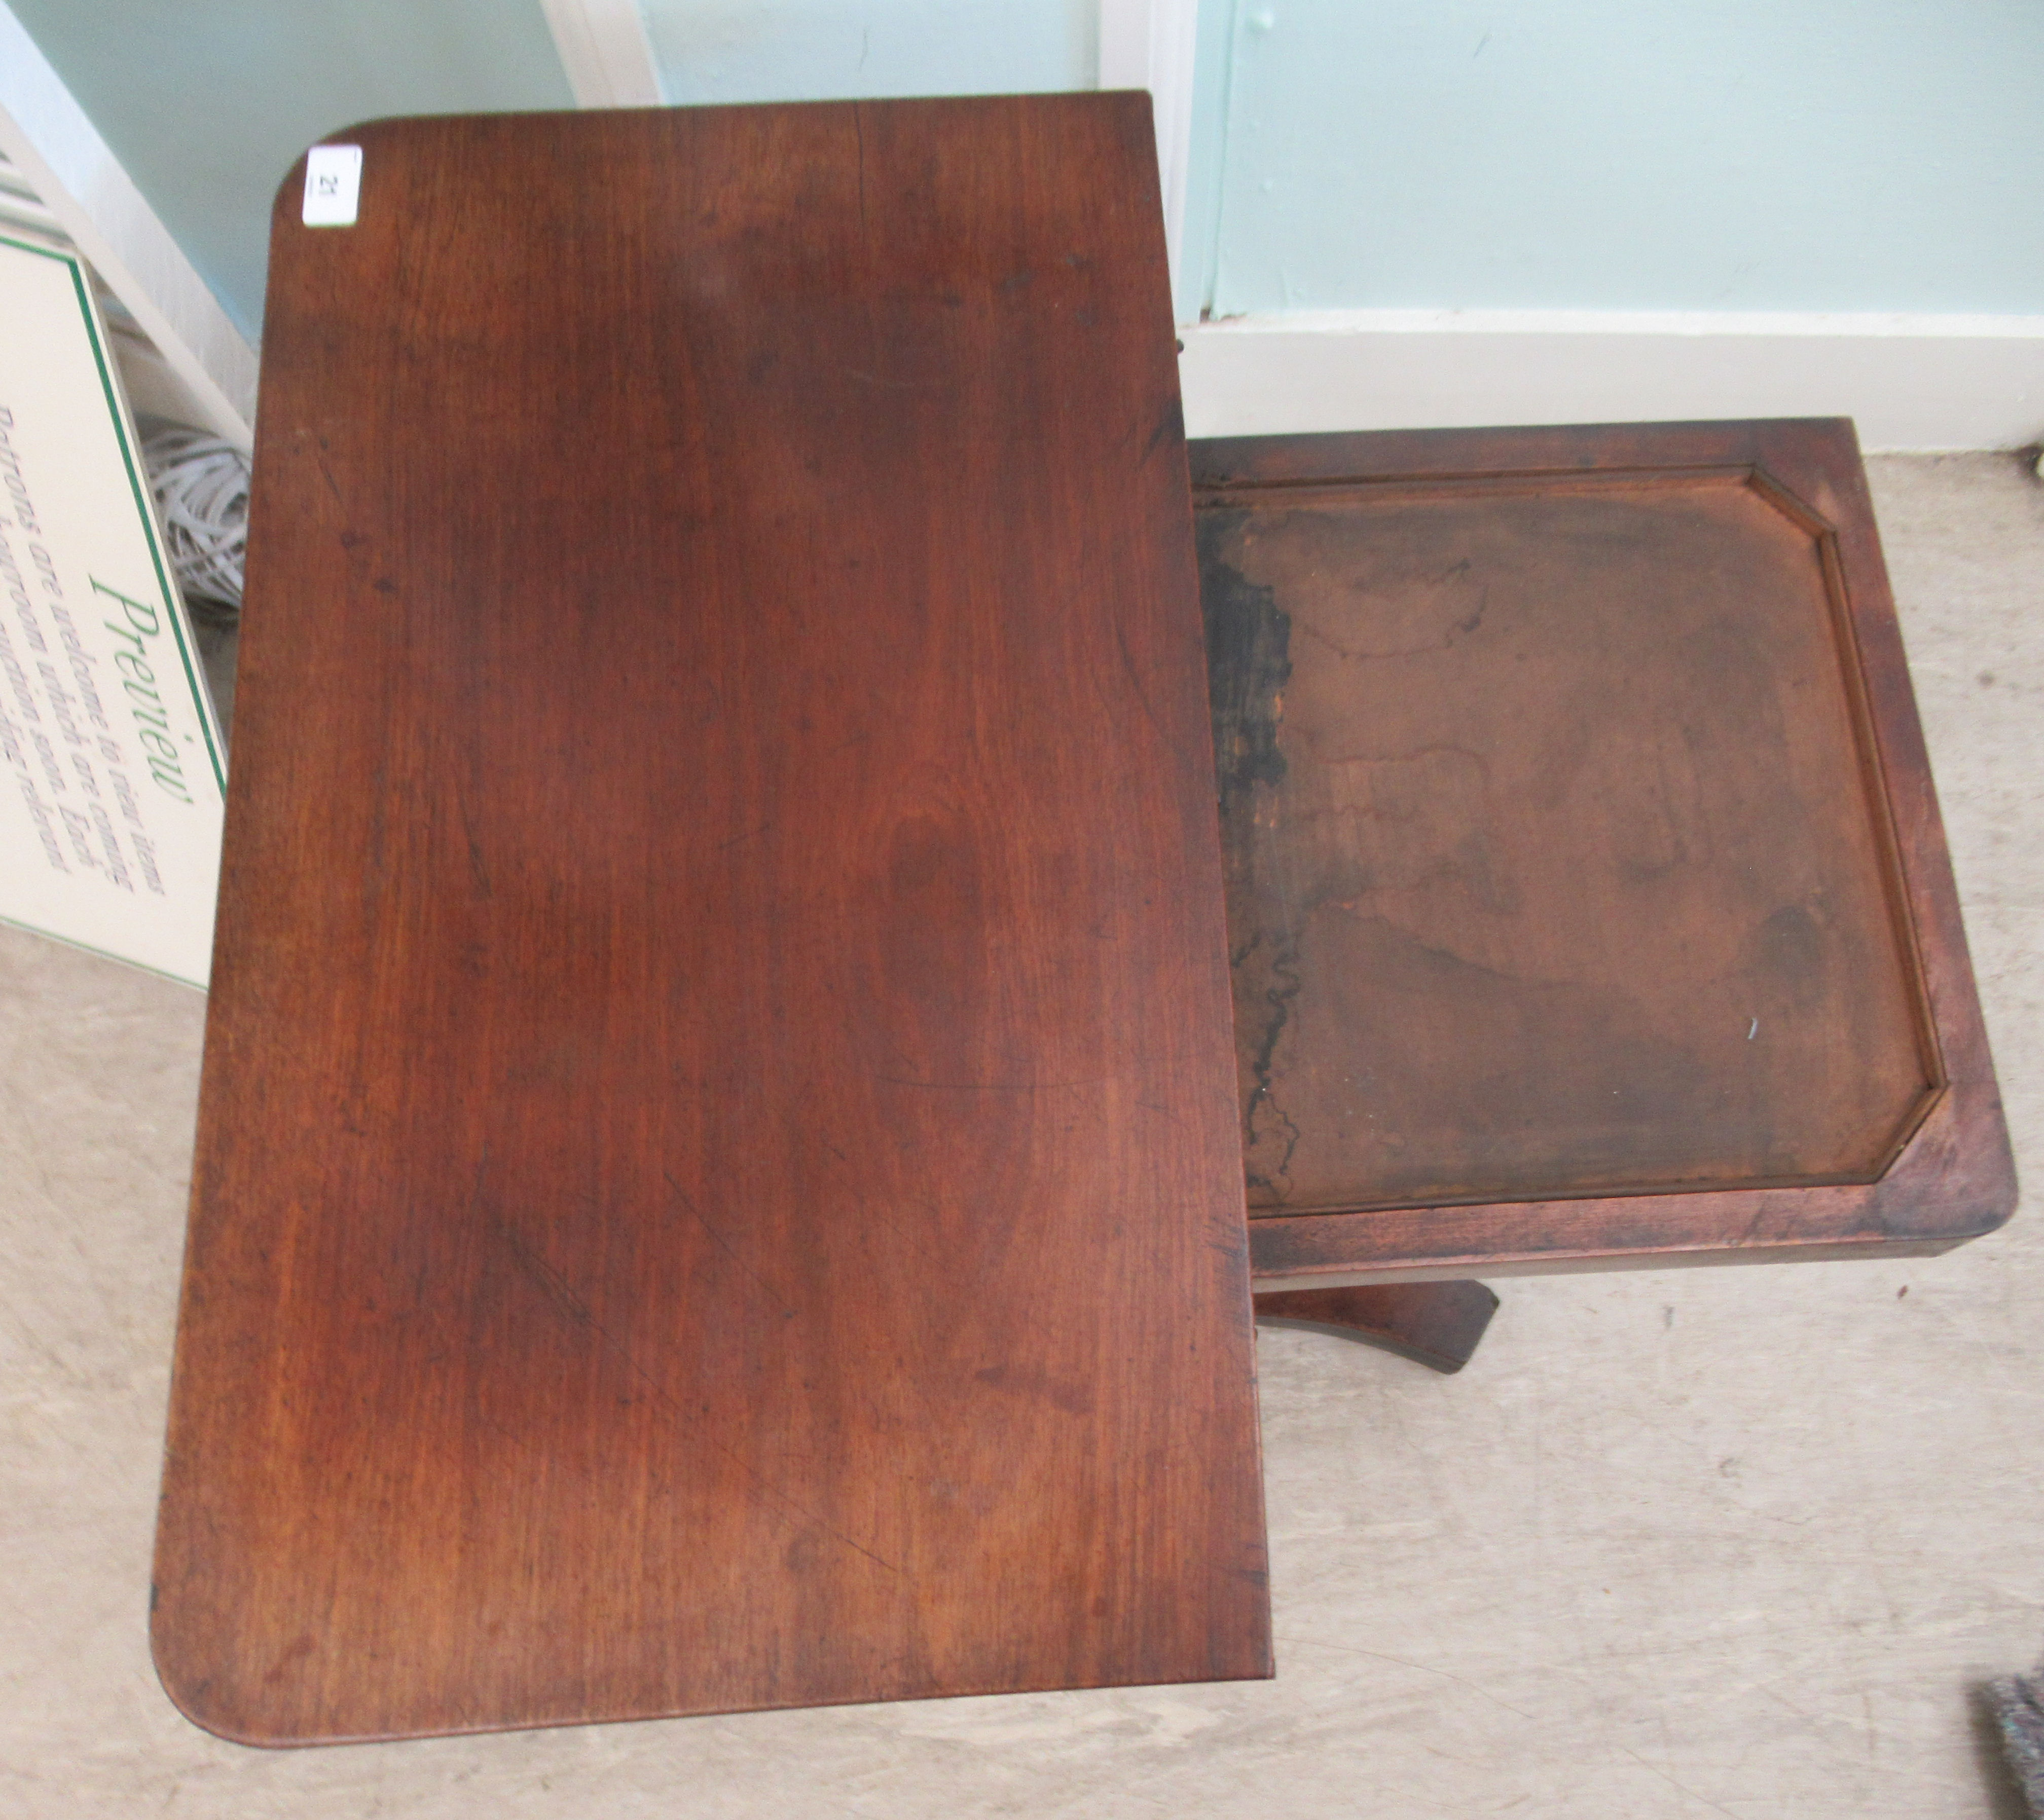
[(1694, 154), (821, 49), (208, 103), (1703, 154)]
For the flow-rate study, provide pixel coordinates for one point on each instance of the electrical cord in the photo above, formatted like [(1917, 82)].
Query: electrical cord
[(200, 482)]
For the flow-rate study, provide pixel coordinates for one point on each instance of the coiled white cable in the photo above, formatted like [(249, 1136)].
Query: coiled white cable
[(200, 483)]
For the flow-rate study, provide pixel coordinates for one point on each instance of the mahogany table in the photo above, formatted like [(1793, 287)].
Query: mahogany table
[(717, 1184), (723, 1146)]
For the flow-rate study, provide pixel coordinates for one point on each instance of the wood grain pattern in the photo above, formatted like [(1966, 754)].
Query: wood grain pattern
[(716, 1186), (1587, 900), (1438, 1325)]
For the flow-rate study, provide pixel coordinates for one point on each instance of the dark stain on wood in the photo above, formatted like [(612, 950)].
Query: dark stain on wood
[(1248, 639)]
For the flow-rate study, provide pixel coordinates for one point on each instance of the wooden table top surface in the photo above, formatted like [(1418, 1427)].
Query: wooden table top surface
[(717, 1182), (1588, 901)]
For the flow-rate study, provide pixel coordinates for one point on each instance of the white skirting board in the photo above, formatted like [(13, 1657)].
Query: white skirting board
[(1917, 382)]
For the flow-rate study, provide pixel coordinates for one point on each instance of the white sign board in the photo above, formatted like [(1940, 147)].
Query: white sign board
[(112, 775)]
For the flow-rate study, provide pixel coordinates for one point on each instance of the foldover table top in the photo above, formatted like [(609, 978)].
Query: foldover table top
[(717, 1186)]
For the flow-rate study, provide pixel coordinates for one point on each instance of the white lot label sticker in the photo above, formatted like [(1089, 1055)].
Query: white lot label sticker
[(334, 185)]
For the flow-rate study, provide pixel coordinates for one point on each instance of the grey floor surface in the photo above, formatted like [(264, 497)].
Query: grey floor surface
[(1732, 1543)]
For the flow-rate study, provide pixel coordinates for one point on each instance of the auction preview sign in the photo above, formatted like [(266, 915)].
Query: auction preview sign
[(112, 776)]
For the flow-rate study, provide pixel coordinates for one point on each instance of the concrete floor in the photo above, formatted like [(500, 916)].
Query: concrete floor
[(1734, 1542)]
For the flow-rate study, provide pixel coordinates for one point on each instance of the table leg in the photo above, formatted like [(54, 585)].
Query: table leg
[(1435, 1324)]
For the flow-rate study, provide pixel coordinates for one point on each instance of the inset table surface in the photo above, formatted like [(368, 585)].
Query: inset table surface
[(1587, 896)]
